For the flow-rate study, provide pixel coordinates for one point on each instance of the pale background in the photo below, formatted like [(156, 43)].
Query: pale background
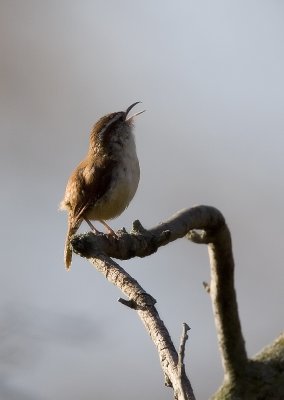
[(210, 75)]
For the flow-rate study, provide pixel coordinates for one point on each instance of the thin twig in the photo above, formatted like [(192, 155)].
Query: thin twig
[(181, 352), (206, 287)]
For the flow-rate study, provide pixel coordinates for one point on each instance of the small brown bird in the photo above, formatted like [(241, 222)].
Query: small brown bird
[(104, 183)]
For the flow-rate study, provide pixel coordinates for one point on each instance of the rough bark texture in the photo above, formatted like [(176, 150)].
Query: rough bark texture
[(144, 304), (225, 307), (257, 379)]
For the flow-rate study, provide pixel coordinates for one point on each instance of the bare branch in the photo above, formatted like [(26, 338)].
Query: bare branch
[(144, 304), (181, 367), (204, 225), (141, 242), (181, 352), (225, 307)]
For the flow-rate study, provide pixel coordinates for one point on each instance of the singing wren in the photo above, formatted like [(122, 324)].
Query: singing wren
[(104, 183)]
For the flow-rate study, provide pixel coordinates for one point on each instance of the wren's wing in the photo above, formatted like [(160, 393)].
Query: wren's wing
[(88, 183)]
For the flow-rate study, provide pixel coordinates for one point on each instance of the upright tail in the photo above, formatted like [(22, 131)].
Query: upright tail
[(72, 229)]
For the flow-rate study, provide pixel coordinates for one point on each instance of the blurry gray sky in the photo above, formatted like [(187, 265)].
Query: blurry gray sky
[(210, 75)]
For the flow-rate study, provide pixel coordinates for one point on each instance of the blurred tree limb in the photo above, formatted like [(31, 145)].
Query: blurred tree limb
[(248, 379)]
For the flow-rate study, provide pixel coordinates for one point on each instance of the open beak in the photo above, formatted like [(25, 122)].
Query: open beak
[(130, 108)]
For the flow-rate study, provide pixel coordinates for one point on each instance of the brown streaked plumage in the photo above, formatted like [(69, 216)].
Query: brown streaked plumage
[(104, 183)]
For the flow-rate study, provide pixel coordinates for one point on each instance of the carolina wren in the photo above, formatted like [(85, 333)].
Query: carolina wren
[(104, 183)]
